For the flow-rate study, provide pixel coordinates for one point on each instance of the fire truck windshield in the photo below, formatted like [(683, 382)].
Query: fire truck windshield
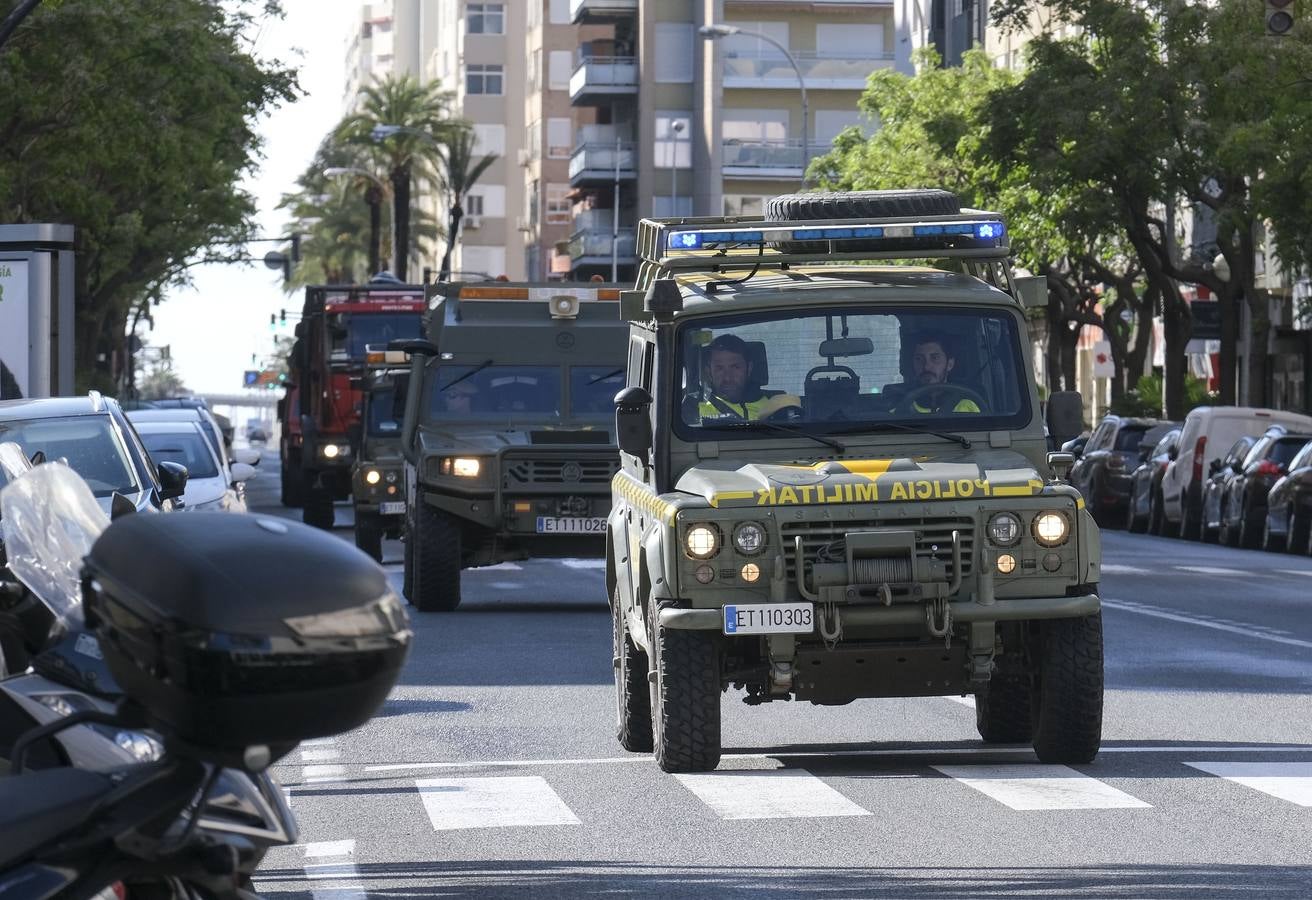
[(359, 330)]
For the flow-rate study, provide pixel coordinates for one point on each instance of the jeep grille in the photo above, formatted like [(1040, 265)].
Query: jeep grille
[(539, 471), (929, 533)]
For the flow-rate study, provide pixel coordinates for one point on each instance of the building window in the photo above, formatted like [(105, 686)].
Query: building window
[(560, 137), (743, 204), (473, 204), (560, 12), (673, 140), (560, 67), (534, 139), (485, 18), (558, 205), (483, 79), (674, 53)]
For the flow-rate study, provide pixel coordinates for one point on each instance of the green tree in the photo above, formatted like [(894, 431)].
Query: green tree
[(458, 171), (134, 121), (420, 113)]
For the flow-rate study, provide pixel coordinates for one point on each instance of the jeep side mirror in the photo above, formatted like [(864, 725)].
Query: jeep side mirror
[(414, 347), (633, 421), (172, 480), (1065, 416)]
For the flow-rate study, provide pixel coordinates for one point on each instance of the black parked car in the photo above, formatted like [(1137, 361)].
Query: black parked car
[(94, 436), (1213, 491), (1289, 507), (1243, 504), (1103, 467), (1141, 513)]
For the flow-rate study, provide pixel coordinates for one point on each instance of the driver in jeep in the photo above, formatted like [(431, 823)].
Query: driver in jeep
[(731, 392), (932, 362)]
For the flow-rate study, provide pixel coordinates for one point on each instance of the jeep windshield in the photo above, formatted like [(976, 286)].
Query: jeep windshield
[(841, 370), (91, 445), (495, 393)]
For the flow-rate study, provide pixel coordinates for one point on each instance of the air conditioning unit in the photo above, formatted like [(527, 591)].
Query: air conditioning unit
[(524, 157), (472, 222)]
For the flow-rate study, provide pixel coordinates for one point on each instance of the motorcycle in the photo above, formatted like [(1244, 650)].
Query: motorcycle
[(161, 787)]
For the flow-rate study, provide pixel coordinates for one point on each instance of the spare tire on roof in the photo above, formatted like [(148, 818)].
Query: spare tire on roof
[(861, 205)]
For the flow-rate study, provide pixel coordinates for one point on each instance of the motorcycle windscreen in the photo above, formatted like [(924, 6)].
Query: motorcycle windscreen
[(50, 519)]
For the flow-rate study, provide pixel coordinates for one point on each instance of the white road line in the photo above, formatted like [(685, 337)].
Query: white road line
[(316, 774), (1291, 781), (583, 563), (334, 862), (501, 567), (1115, 569), (968, 700), (1211, 570), (1306, 573), (1042, 787), (314, 755), (822, 754), (777, 794), (319, 742), (500, 802), (1251, 631)]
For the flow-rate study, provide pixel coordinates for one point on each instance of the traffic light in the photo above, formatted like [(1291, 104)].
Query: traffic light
[(282, 317), (273, 320), (1279, 17)]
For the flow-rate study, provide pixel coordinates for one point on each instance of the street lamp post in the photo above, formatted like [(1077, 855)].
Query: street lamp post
[(715, 32), (677, 128), (374, 197)]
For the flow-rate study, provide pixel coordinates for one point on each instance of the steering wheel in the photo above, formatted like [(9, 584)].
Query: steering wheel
[(910, 397), (790, 413)]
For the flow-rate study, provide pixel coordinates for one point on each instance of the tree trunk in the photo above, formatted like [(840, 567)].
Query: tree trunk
[(400, 177), (1227, 308), (455, 214), (1070, 338), (374, 197), (1178, 325), (1259, 316)]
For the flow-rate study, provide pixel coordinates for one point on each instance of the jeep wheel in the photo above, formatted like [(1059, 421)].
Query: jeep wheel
[(685, 698), (1067, 699), (369, 535), (317, 508), (1002, 707), (632, 696), (435, 561)]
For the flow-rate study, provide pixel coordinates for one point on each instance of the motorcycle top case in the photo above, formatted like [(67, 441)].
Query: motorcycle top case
[(239, 630)]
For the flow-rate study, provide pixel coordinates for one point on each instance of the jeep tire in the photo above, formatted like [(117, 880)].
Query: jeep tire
[(861, 205), (1068, 689), (369, 534), (632, 696), (435, 560), (685, 697), (1002, 706)]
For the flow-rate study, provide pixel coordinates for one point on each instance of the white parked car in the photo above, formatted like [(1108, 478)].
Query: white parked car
[(211, 485), (1208, 432)]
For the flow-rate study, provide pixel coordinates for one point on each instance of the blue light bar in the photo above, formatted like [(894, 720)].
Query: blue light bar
[(717, 237), (990, 230)]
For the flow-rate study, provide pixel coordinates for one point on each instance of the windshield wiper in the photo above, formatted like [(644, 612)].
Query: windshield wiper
[(911, 429), (775, 426), (608, 375), (474, 371)]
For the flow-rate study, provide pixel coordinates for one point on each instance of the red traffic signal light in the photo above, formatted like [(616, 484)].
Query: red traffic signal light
[(1279, 17)]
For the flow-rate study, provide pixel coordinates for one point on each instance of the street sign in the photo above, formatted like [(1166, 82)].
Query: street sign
[(251, 379), (1207, 319)]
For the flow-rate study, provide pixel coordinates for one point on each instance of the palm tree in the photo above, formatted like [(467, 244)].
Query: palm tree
[(420, 115), (459, 171)]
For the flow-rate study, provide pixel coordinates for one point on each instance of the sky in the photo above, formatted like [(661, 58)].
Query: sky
[(213, 327)]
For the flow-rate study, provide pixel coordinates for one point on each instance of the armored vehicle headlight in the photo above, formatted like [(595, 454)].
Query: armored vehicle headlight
[(373, 476), (391, 478), (1051, 528), (702, 541), (465, 466), (749, 538), (1004, 529)]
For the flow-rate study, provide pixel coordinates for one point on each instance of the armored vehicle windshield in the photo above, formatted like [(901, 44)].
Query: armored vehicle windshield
[(502, 393)]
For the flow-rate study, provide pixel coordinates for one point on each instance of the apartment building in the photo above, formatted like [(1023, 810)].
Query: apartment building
[(392, 36), (951, 27)]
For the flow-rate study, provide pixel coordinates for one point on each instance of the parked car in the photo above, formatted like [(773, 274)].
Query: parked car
[(209, 426), (1289, 507), (96, 439), (1146, 480), (1103, 467), (210, 484), (1207, 433), (1243, 503), (1218, 473)]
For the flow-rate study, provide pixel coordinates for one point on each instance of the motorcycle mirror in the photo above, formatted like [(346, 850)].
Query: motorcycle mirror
[(38, 457), (120, 506)]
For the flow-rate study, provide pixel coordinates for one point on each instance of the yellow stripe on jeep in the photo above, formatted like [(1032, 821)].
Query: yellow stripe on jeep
[(731, 495), (642, 498)]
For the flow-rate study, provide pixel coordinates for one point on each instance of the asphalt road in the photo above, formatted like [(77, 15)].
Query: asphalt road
[(493, 770)]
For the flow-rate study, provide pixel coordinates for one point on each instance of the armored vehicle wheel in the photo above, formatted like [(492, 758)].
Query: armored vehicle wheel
[(861, 204), (685, 698), (632, 697), (290, 492), (1002, 707), (318, 508), (435, 561), (369, 535), (1067, 700)]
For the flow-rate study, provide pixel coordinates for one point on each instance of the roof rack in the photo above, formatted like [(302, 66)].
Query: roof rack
[(720, 243)]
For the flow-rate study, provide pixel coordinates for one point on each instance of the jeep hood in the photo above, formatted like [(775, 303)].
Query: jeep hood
[(950, 476)]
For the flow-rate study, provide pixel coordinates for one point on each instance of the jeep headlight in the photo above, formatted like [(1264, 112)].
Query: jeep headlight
[(1051, 528), (749, 538), (461, 466), (373, 476), (333, 451), (1004, 529), (702, 541)]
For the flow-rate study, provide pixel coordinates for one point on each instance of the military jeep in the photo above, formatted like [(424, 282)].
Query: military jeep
[(378, 473), (836, 483), (508, 429)]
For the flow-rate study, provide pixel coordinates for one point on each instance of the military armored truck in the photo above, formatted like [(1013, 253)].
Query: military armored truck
[(508, 434), (378, 474), (835, 480)]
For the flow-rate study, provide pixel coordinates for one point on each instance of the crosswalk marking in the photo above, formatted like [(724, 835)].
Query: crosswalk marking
[(334, 862), (1306, 573), (1029, 787), (498, 802), (317, 774), (583, 563), (1252, 631), (1291, 781), (1211, 570), (775, 794), (968, 700), (1116, 569)]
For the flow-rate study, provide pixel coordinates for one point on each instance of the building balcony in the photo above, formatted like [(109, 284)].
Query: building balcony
[(762, 159), (772, 71), (598, 80), (602, 220), (593, 247), (601, 163), (600, 12)]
